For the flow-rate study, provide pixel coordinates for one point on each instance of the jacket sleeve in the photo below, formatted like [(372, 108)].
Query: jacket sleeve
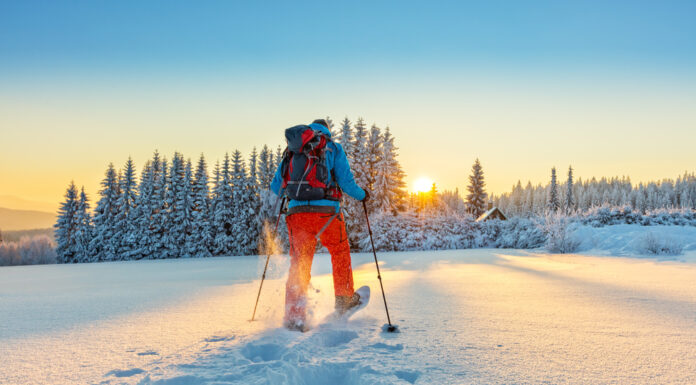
[(277, 180), (344, 176)]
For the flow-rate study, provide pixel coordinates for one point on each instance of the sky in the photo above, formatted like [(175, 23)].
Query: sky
[(607, 87)]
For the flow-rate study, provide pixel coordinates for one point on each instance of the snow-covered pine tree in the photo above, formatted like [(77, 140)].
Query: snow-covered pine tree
[(569, 198), (373, 158), (223, 216), (186, 204), (554, 203), (144, 209), (175, 216), (125, 218), (330, 124), (104, 243), (66, 227), (389, 188), (374, 155), (477, 197), (346, 137), (359, 153), (213, 202), (527, 208), (278, 157), (267, 200), (84, 232), (357, 158), (160, 213), (201, 236), (244, 236), (265, 168), (253, 183)]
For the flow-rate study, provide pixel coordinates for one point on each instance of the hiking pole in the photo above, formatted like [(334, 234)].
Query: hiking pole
[(391, 328), (268, 257)]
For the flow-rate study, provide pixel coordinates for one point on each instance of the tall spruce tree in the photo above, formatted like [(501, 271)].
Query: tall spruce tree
[(125, 229), (66, 227), (569, 198), (253, 183), (174, 232), (389, 189), (84, 231), (223, 215), (346, 137), (373, 159), (245, 232), (476, 199), (201, 235), (357, 157), (144, 209), (278, 157), (186, 204), (161, 213), (330, 125), (105, 241), (554, 203)]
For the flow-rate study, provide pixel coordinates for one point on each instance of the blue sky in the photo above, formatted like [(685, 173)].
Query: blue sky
[(107, 79), (224, 36)]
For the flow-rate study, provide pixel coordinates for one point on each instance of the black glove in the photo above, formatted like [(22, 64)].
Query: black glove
[(367, 195)]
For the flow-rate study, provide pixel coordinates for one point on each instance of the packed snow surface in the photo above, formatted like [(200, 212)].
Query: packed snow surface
[(465, 316)]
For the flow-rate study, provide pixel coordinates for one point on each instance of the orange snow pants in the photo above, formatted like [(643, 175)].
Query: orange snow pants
[(302, 231)]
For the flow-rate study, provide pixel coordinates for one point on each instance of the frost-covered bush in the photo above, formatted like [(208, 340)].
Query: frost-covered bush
[(651, 244), (28, 251), (519, 233), (559, 233), (607, 216), (410, 231)]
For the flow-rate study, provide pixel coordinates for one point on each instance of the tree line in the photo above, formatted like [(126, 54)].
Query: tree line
[(583, 195), (173, 209)]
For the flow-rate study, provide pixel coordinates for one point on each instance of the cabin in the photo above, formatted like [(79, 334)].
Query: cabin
[(492, 213)]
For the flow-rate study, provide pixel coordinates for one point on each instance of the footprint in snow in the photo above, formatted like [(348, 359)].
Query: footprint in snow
[(408, 376), (219, 338), (124, 373), (387, 347), (148, 353), (332, 338), (262, 352)]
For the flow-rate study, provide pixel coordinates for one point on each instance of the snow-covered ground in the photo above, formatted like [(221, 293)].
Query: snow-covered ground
[(466, 316)]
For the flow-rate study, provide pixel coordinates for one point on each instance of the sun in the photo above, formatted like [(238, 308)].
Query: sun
[(422, 184)]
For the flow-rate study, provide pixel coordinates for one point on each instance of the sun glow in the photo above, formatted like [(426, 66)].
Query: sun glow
[(422, 184)]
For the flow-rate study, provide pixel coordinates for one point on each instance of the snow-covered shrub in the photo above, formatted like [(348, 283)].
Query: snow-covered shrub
[(519, 233), (28, 251), (607, 216), (410, 231), (651, 244), (559, 233)]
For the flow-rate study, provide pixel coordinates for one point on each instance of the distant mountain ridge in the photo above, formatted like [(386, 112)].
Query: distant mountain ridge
[(11, 219), (17, 203)]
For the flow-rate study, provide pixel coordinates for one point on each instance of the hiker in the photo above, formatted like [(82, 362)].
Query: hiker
[(314, 212)]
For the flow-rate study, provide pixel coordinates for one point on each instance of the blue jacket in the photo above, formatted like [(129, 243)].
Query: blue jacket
[(337, 164)]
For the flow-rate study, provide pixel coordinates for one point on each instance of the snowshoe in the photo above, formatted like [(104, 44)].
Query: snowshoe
[(347, 306)]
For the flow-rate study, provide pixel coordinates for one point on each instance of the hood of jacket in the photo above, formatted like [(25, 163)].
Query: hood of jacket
[(319, 127)]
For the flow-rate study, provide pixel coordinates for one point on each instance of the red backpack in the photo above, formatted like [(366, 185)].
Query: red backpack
[(304, 171)]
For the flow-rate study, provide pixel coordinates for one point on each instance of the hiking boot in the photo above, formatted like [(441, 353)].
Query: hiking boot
[(346, 302)]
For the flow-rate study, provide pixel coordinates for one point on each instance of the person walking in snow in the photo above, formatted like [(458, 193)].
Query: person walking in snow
[(313, 175)]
